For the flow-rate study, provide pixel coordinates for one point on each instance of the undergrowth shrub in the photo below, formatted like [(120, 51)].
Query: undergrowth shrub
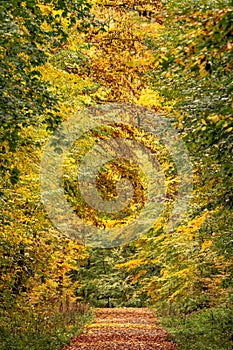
[(203, 329), (47, 328)]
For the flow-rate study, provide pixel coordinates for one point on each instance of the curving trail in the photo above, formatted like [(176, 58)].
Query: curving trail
[(123, 329)]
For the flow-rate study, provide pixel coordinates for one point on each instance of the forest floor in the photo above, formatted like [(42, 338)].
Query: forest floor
[(123, 329)]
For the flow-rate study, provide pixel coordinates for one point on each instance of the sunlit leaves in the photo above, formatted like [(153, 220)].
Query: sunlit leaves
[(113, 53), (25, 42)]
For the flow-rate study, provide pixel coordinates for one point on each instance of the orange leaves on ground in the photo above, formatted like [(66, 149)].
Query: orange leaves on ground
[(122, 329)]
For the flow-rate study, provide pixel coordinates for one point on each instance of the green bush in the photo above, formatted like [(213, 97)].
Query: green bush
[(206, 329), (26, 330)]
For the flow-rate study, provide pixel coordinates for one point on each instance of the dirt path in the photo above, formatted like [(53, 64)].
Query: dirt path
[(123, 329)]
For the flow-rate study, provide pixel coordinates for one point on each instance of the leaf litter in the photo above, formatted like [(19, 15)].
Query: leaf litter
[(123, 329)]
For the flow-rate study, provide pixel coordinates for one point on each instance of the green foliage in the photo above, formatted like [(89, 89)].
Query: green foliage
[(30, 330), (202, 330), (195, 71), (29, 30), (194, 74), (183, 68), (37, 306), (103, 284)]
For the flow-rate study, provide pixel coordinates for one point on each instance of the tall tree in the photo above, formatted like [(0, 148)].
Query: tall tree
[(29, 31)]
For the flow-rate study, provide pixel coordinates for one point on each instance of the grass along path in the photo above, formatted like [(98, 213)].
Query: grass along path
[(123, 329)]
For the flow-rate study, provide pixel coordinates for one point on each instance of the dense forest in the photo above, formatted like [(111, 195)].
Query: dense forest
[(169, 60)]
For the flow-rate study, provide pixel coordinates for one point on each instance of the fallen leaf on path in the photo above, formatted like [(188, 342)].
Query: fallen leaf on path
[(123, 329)]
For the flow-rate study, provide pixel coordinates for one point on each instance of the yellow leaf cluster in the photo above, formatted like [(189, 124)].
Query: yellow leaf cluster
[(205, 245)]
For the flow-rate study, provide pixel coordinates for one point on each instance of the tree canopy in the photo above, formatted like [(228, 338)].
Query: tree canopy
[(59, 58)]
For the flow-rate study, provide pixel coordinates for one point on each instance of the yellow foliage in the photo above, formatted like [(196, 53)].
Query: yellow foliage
[(138, 275), (192, 225), (150, 98), (214, 118), (205, 245), (117, 57), (132, 264)]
